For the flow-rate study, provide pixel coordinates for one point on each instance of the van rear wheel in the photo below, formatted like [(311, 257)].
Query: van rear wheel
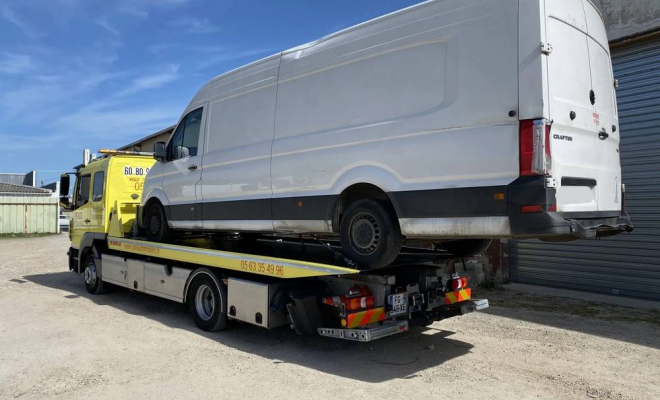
[(156, 224), (370, 234)]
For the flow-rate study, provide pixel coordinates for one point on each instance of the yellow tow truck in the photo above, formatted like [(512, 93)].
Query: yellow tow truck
[(312, 289)]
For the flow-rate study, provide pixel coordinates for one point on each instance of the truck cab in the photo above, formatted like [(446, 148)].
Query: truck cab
[(113, 180)]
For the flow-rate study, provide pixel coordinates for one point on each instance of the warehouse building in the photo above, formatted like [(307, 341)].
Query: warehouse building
[(627, 264), (27, 209), (146, 144)]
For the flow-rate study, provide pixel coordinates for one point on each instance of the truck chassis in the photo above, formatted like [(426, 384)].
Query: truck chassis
[(270, 292)]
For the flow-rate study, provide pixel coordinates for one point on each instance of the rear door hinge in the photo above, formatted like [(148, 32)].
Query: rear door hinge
[(546, 48)]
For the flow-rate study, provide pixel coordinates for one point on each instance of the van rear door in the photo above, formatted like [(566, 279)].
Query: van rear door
[(580, 105), (605, 116), (573, 133)]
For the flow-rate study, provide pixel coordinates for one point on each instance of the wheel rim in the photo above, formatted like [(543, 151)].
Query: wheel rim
[(204, 302), (90, 274), (365, 233), (154, 224)]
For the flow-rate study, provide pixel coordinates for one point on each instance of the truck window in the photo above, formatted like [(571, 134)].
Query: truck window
[(82, 193), (97, 193)]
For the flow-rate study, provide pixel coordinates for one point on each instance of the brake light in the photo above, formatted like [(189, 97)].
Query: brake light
[(358, 298), (535, 155), (459, 283)]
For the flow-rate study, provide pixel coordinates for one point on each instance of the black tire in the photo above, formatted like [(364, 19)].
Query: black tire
[(370, 234), (155, 224), (207, 301), (91, 277), (466, 247)]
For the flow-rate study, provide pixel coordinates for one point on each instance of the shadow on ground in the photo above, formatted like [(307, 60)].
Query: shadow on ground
[(401, 356), (620, 323)]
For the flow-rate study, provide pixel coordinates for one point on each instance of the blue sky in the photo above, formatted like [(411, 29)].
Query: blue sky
[(78, 74)]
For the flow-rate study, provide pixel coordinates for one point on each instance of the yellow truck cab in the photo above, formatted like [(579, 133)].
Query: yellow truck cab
[(114, 180)]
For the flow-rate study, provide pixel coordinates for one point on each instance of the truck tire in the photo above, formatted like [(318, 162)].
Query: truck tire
[(370, 234), (207, 300), (93, 282), (466, 247), (155, 223)]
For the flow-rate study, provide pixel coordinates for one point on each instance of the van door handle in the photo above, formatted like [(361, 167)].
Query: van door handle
[(192, 168), (87, 221), (602, 135)]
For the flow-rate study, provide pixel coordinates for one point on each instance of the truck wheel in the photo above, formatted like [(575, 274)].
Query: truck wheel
[(93, 282), (370, 234), (466, 247), (156, 224), (207, 302)]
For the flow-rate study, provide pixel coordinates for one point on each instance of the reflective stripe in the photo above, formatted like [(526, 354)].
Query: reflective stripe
[(458, 296), (366, 317)]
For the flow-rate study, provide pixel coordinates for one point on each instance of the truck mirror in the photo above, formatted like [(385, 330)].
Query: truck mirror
[(65, 179), (159, 151)]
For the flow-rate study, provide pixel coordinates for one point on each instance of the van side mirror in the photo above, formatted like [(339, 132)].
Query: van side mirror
[(65, 180), (159, 151)]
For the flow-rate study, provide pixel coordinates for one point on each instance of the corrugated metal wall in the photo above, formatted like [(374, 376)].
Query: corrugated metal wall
[(627, 264), (28, 214)]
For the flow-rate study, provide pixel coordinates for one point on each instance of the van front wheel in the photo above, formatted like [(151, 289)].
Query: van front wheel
[(370, 234)]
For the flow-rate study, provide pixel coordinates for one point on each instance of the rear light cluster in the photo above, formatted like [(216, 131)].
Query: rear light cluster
[(535, 155), (458, 283), (358, 298)]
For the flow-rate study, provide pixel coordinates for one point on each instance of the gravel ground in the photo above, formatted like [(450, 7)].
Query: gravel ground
[(56, 341)]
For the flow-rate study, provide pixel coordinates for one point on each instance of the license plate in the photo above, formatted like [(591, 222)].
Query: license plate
[(398, 303)]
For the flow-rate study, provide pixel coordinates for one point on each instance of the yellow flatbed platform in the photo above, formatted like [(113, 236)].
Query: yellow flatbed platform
[(249, 263)]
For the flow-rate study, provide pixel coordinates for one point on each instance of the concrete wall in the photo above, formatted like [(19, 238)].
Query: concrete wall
[(625, 18), (29, 214)]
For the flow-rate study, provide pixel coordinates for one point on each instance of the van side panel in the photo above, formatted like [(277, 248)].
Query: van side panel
[(413, 102), (236, 164)]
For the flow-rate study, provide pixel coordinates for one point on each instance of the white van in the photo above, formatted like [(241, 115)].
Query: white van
[(445, 121)]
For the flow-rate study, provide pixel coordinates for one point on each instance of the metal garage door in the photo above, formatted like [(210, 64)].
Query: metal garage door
[(627, 264)]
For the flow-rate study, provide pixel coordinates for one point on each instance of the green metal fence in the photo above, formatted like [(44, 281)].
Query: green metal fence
[(28, 214)]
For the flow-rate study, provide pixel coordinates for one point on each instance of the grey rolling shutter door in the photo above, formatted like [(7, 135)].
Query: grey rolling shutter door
[(627, 264)]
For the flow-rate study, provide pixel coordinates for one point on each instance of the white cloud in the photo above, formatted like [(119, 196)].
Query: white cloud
[(117, 124), (15, 63), (105, 24), (195, 25), (153, 81), (10, 16)]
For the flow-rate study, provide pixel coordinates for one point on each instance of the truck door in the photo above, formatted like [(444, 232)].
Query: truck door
[(605, 114), (81, 209), (573, 136), (182, 171)]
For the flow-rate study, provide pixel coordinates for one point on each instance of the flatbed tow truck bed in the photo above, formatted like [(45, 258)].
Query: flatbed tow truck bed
[(311, 297)]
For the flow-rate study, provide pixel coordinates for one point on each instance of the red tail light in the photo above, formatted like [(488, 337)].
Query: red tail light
[(535, 155), (458, 283)]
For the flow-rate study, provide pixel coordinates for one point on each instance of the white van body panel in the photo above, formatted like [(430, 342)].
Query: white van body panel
[(426, 92), (424, 104)]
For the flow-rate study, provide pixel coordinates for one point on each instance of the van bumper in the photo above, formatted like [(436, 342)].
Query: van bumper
[(558, 226)]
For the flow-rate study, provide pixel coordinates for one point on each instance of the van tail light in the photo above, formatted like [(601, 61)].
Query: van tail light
[(535, 155)]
